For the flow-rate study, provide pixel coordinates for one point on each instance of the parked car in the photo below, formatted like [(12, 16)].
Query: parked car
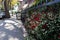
[(2, 15)]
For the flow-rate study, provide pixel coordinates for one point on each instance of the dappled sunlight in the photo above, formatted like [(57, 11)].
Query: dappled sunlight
[(9, 21), (12, 38), (19, 25), (1, 24), (13, 22), (25, 6), (12, 29), (9, 26), (2, 34), (25, 34)]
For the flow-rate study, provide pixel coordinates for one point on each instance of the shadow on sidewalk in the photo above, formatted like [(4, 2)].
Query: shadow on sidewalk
[(10, 30)]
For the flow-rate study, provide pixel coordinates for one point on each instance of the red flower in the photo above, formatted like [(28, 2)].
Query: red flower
[(38, 14), (58, 36), (44, 26), (33, 27), (36, 18)]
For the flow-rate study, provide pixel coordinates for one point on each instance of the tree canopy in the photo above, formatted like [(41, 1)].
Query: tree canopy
[(13, 2)]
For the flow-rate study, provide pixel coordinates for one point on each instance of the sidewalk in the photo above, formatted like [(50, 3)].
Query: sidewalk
[(11, 29)]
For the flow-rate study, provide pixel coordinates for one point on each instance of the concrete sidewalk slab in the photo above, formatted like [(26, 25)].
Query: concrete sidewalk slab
[(11, 29)]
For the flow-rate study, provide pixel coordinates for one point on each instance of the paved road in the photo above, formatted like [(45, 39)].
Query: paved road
[(11, 29)]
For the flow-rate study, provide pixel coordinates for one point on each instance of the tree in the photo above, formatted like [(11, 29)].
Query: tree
[(7, 7), (13, 2), (0, 0)]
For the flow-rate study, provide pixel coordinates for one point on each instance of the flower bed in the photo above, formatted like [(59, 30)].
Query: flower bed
[(43, 25)]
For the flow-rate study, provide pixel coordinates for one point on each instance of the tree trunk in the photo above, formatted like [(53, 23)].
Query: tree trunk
[(6, 9)]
